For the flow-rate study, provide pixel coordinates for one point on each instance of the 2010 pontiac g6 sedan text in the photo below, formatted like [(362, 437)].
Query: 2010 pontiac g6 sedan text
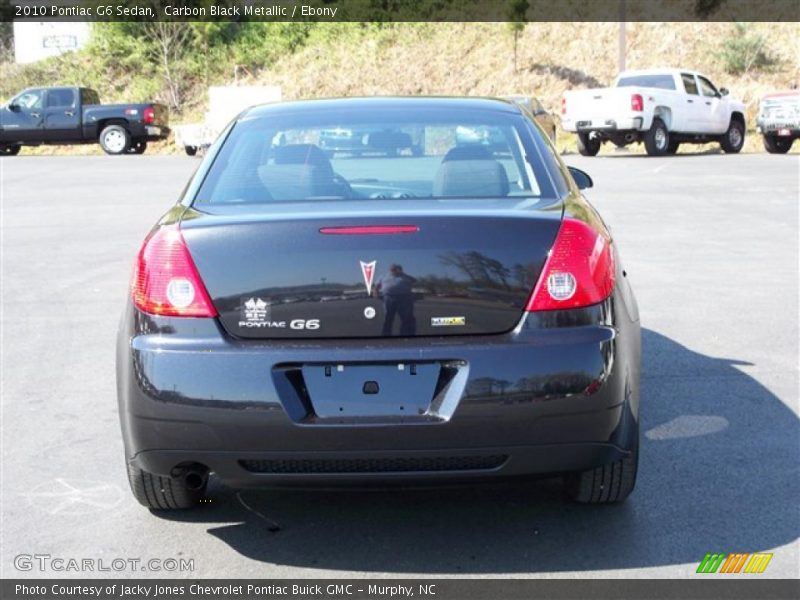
[(441, 307)]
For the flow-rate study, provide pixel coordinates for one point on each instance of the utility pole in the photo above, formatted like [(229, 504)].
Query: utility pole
[(622, 43)]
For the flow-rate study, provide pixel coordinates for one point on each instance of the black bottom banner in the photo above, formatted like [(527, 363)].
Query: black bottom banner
[(391, 589)]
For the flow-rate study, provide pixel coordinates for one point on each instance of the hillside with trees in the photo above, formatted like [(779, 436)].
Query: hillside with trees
[(175, 63)]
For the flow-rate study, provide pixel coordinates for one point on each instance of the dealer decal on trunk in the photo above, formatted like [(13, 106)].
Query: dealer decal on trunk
[(448, 321)]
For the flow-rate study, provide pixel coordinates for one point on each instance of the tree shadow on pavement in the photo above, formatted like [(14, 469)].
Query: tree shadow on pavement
[(718, 472)]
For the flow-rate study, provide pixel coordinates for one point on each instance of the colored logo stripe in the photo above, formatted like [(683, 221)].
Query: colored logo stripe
[(710, 563), (736, 562), (758, 563)]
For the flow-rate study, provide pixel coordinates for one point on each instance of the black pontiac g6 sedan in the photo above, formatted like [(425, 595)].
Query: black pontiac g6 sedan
[(454, 313)]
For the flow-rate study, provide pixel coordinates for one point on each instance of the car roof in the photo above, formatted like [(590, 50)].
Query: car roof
[(665, 71), (386, 103)]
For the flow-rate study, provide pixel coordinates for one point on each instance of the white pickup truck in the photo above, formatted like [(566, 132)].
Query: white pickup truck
[(661, 107), (779, 120)]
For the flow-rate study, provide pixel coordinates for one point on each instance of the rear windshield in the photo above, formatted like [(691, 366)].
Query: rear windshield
[(664, 82), (374, 154)]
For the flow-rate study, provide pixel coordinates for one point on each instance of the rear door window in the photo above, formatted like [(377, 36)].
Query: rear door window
[(60, 98)]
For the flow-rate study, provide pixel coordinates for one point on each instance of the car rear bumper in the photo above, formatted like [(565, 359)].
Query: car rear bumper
[(545, 398), (619, 124), (151, 133), (779, 128), (346, 468)]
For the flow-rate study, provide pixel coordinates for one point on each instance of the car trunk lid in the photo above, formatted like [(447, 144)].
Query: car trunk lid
[(374, 271)]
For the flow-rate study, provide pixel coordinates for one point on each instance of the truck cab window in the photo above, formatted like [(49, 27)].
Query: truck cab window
[(30, 99), (707, 88), (61, 98), (689, 84)]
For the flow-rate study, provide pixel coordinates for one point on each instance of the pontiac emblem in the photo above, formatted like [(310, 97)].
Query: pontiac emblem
[(368, 271)]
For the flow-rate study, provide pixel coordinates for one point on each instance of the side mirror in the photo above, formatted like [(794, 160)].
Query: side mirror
[(13, 107), (724, 91), (581, 178)]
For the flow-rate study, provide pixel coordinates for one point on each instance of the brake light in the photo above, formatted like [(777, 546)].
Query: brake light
[(637, 104), (563, 105), (579, 270), (165, 279), (149, 115), (369, 230)]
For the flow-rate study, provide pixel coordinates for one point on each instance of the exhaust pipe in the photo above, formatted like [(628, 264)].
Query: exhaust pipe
[(195, 479), (194, 476), (629, 137)]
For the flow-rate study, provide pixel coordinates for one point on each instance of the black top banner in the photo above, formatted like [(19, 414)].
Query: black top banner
[(401, 10)]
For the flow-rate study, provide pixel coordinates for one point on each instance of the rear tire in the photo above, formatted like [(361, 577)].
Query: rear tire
[(775, 145), (10, 150), (607, 484), (656, 139), (115, 140), (673, 146), (163, 493), (190, 150), (587, 145), (733, 140)]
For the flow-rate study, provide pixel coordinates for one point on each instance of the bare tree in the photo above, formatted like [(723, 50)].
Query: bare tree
[(170, 41)]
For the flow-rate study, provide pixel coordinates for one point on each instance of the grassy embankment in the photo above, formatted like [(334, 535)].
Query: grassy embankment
[(350, 59)]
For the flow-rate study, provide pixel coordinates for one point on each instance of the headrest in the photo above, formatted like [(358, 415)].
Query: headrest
[(468, 153), (471, 178), (295, 181), (302, 154)]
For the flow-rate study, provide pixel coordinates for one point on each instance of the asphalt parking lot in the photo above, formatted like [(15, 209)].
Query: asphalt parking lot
[(710, 243)]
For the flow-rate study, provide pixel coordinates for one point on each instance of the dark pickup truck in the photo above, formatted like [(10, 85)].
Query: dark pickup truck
[(74, 115)]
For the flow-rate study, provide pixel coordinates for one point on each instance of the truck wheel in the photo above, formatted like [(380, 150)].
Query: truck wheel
[(587, 145), (9, 150), (115, 140), (656, 139), (190, 150), (606, 484), (166, 493), (733, 140), (138, 147), (673, 146), (775, 145)]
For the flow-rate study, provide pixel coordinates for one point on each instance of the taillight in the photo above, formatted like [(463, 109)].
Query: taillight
[(563, 105), (165, 280), (149, 115), (637, 104), (579, 270)]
